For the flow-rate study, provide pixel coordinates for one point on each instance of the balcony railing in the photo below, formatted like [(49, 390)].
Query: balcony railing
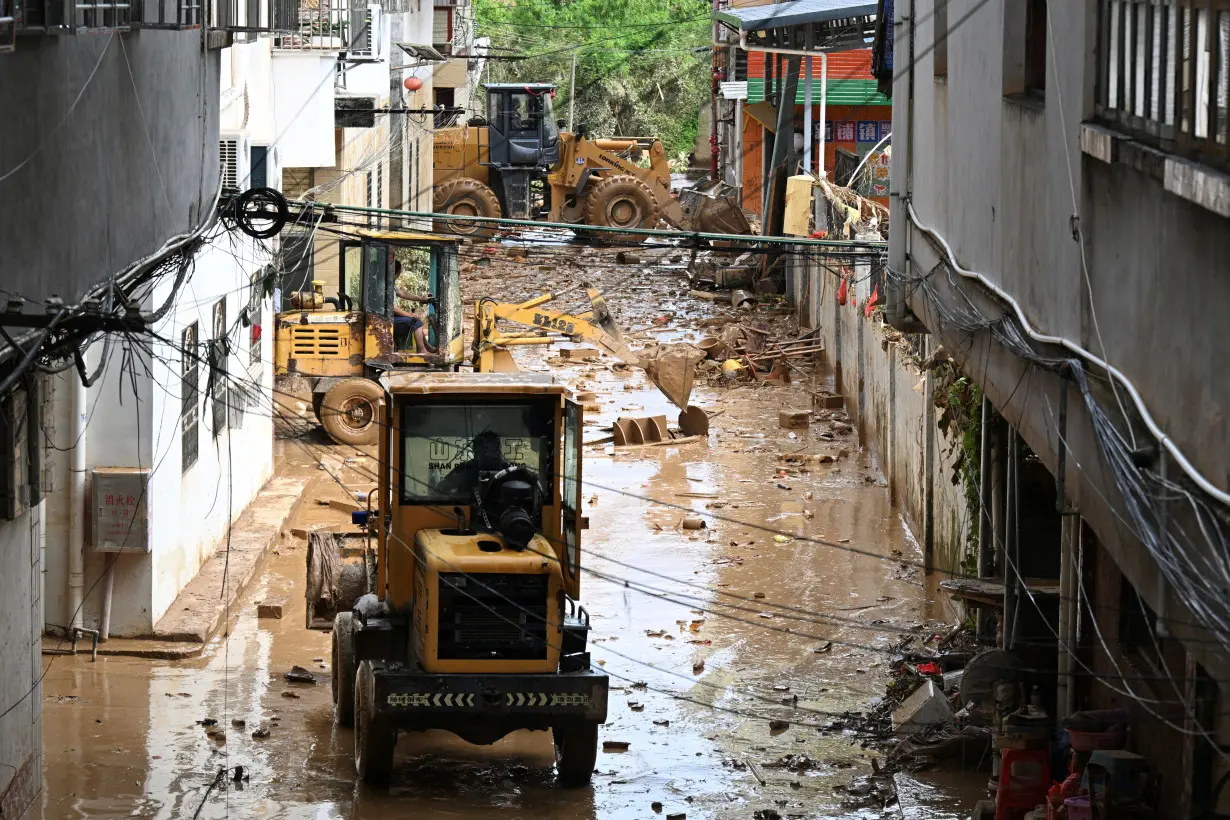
[(1164, 74), (330, 25)]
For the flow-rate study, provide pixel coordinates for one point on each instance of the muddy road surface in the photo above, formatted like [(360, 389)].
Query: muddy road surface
[(735, 650)]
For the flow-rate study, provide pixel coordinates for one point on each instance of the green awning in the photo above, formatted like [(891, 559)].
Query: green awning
[(841, 92)]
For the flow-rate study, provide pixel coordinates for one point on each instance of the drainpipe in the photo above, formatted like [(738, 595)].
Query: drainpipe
[(104, 626), (76, 506), (899, 185), (713, 101)]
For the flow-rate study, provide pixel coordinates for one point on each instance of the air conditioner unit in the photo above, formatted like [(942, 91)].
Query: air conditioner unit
[(364, 36), (235, 160)]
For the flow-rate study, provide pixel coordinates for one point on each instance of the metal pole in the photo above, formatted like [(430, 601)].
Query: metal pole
[(824, 102), (986, 525), (714, 72), (1066, 694), (572, 90), (807, 139), (1012, 566)]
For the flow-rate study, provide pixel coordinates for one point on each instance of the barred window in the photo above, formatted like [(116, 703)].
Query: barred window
[(190, 372)]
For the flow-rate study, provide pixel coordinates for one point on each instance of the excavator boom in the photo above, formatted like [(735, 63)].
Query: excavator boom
[(671, 374)]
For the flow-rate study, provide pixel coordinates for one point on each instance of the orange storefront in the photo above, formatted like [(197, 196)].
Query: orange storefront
[(857, 118)]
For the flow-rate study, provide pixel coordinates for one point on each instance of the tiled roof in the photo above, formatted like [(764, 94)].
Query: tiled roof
[(840, 92)]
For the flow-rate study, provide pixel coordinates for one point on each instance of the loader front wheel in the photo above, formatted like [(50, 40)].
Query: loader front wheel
[(576, 751), (374, 740), (622, 201), (343, 669), (350, 413), (466, 197)]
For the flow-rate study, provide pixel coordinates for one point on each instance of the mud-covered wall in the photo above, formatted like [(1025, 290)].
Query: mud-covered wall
[(888, 395)]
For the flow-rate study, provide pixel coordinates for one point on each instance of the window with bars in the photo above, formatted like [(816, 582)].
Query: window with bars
[(254, 16), (1164, 73), (189, 410), (939, 25), (218, 354), (369, 180)]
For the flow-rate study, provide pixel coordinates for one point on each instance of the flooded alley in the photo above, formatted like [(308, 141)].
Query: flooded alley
[(740, 647)]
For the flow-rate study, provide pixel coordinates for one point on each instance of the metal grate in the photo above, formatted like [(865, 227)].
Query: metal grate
[(167, 14), (1164, 74), (228, 161), (256, 16), (190, 374), (306, 340), (488, 616)]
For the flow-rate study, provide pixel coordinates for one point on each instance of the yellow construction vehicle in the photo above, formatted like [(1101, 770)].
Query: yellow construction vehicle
[(468, 616), (335, 347), (492, 167)]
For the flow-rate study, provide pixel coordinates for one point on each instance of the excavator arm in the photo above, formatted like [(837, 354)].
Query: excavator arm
[(596, 326)]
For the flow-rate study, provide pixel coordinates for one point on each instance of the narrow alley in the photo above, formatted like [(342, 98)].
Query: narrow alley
[(711, 636)]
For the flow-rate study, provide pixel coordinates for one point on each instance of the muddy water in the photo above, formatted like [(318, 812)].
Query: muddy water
[(707, 635)]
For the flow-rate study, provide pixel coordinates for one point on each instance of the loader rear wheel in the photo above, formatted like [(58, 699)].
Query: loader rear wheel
[(466, 197), (622, 201), (374, 740), (576, 750), (350, 413), (342, 669)]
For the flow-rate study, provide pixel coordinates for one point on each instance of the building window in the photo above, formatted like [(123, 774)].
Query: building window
[(254, 319), (1035, 47), (370, 184), (218, 350), (190, 392), (379, 190), (939, 27), (260, 170), (1025, 41)]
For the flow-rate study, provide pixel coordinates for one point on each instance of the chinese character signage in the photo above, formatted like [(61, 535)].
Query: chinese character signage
[(120, 504), (845, 132), (866, 131)]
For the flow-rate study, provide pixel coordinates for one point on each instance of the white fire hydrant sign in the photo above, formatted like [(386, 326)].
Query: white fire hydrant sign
[(120, 509)]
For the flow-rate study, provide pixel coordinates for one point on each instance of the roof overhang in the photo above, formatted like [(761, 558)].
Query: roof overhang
[(422, 53), (795, 13)]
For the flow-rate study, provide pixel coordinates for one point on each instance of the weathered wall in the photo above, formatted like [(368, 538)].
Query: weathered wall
[(133, 163), (889, 398), (21, 626)]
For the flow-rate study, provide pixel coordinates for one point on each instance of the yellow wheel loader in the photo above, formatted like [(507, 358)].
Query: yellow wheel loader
[(495, 167), (470, 618), (336, 347)]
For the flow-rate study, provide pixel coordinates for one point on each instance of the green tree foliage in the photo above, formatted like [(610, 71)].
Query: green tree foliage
[(638, 69)]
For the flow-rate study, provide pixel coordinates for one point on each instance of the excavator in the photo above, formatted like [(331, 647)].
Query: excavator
[(493, 168), (337, 347)]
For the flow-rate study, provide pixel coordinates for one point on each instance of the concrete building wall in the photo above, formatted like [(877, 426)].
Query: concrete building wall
[(888, 396), (117, 158), (134, 411), (1002, 177), (109, 149), (21, 627)]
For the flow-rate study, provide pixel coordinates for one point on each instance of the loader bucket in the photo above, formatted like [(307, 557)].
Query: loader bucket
[(671, 368), (713, 208)]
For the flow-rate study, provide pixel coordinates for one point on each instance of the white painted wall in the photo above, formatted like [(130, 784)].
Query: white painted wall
[(134, 417), (303, 108)]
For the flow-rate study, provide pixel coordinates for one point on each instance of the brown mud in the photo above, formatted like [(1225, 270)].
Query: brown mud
[(709, 635)]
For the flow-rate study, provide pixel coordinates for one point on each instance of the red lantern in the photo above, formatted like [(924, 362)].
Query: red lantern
[(412, 83)]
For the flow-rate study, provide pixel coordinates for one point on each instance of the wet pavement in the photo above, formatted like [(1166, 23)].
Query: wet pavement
[(708, 635)]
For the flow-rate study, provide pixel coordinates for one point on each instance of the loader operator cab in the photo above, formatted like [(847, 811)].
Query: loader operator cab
[(472, 621), (523, 130)]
